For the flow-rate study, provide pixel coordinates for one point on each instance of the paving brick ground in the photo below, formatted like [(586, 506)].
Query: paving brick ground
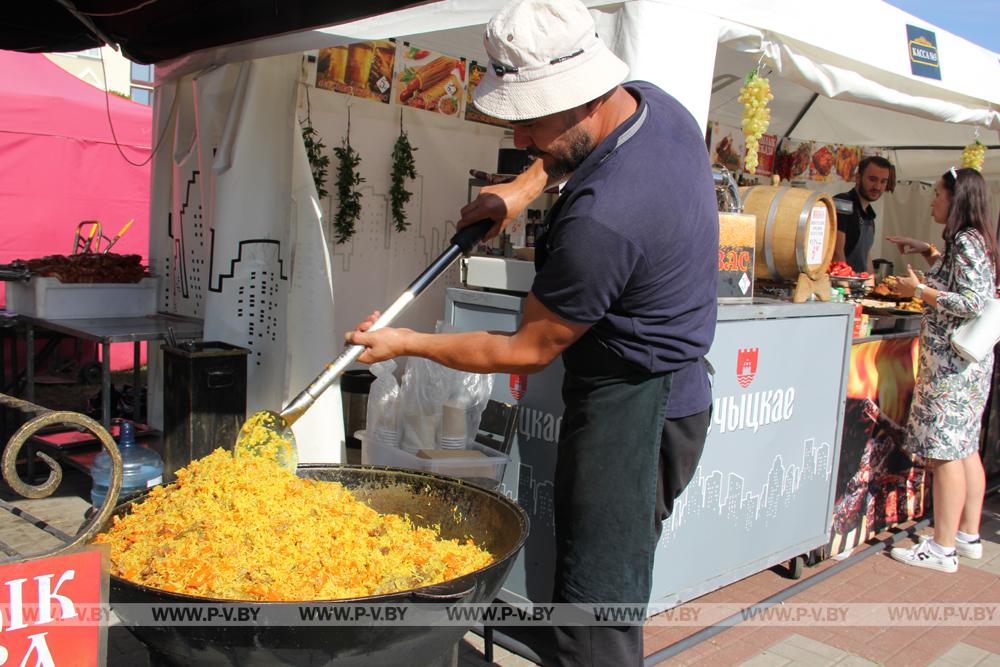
[(874, 580)]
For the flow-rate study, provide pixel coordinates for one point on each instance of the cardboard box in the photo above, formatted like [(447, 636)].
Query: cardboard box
[(53, 300)]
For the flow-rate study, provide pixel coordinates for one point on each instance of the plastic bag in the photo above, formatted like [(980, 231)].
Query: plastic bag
[(383, 405), (467, 397), (423, 391), (441, 407)]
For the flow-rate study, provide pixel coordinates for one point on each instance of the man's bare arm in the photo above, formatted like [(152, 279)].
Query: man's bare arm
[(542, 336), (505, 201)]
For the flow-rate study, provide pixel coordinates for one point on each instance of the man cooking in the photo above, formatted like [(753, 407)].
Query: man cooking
[(855, 217), (624, 291)]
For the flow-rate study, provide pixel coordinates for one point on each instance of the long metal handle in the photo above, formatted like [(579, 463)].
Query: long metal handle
[(461, 243)]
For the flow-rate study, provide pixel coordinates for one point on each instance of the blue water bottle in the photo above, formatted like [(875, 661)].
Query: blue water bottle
[(141, 467)]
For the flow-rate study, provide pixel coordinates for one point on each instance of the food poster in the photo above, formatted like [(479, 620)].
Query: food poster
[(793, 160), (429, 80), (821, 163), (726, 147), (476, 73), (878, 484), (361, 69), (847, 162), (765, 154)]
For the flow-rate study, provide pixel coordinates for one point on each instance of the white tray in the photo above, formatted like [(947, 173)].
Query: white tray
[(50, 299), (487, 471)]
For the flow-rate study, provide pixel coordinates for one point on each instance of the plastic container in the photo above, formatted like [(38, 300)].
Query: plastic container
[(142, 468), (486, 471), (48, 298)]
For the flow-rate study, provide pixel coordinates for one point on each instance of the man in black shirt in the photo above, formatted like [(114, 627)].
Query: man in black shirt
[(855, 217)]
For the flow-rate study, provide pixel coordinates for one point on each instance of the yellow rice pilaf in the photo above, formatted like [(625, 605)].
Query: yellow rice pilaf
[(247, 529), (261, 437)]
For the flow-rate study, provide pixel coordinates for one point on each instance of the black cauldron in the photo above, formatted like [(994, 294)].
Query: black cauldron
[(494, 522)]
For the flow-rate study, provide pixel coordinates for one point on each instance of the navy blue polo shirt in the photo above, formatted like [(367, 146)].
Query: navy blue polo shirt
[(632, 243)]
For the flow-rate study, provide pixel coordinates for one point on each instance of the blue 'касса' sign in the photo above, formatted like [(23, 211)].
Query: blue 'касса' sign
[(922, 45)]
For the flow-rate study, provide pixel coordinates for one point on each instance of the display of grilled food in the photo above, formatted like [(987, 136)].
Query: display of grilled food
[(87, 268), (913, 306), (426, 76), (886, 288), (823, 161)]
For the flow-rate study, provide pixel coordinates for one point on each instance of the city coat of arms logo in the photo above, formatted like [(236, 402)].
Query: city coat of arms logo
[(518, 385), (746, 365)]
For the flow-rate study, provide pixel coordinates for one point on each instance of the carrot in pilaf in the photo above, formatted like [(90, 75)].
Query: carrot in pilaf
[(247, 529)]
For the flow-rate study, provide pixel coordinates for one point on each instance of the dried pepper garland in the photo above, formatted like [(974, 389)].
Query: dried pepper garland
[(318, 162), (403, 167), (348, 180)]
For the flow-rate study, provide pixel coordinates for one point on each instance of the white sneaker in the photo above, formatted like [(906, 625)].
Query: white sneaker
[(971, 550), (920, 555)]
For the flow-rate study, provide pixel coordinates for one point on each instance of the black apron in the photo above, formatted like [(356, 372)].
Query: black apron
[(606, 476)]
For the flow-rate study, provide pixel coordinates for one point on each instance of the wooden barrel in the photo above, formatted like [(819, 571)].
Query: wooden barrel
[(796, 230)]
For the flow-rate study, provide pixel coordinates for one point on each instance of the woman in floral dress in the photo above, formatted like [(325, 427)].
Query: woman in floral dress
[(950, 392)]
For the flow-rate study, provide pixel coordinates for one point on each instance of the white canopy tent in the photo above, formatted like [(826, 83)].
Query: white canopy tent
[(857, 71), (853, 51)]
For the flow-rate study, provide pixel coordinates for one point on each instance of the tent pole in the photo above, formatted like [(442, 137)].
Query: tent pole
[(798, 119)]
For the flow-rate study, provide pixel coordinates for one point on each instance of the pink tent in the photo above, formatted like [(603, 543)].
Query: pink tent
[(60, 165)]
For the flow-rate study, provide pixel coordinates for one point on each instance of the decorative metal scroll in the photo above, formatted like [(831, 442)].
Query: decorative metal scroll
[(43, 418)]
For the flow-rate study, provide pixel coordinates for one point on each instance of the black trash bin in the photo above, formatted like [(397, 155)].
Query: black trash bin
[(354, 386), (204, 400)]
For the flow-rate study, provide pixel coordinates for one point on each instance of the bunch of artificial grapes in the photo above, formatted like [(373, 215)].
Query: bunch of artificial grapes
[(755, 94), (974, 155)]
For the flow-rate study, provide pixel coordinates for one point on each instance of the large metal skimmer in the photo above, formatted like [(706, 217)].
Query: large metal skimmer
[(277, 438)]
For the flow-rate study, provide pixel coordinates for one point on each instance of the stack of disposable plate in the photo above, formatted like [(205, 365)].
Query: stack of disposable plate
[(386, 437), (453, 425), (445, 442)]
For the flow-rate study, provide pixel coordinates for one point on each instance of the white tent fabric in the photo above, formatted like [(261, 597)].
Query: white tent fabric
[(243, 244), (242, 169), (853, 54), (853, 48)]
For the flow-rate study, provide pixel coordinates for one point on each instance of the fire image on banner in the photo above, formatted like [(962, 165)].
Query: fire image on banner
[(53, 610), (878, 484)]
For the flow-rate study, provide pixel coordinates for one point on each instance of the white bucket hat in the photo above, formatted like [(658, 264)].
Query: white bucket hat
[(545, 57)]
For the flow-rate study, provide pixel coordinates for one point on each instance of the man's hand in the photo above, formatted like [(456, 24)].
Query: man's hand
[(503, 202), (382, 344)]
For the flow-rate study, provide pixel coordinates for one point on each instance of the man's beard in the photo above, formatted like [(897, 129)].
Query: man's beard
[(579, 146), (869, 195)]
